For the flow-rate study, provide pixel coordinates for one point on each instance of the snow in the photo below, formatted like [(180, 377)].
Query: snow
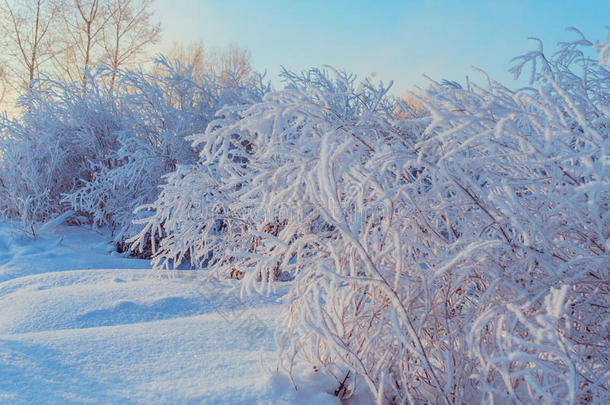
[(80, 324)]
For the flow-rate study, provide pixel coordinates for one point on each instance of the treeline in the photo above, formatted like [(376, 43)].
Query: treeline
[(65, 39), (68, 37)]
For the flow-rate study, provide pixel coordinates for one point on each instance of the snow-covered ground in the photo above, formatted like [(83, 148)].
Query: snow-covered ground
[(82, 324)]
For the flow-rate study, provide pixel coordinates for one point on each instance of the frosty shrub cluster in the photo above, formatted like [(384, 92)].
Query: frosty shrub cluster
[(100, 153), (457, 256)]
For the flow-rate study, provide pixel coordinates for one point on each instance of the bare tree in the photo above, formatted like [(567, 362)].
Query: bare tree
[(3, 85), (84, 23), (28, 30), (192, 55), (232, 64), (130, 29), (7, 91), (67, 37)]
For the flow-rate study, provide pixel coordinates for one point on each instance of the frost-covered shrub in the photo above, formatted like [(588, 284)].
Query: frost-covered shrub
[(468, 262), (47, 152), (242, 191), (160, 109), (102, 153)]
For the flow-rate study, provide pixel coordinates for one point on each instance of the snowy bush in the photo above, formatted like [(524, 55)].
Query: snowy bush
[(160, 109), (48, 151), (101, 153), (465, 262), (242, 204)]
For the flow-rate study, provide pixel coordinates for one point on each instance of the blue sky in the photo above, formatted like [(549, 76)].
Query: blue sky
[(398, 40)]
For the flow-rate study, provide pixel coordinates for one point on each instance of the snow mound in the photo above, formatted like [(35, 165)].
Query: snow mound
[(79, 325)]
